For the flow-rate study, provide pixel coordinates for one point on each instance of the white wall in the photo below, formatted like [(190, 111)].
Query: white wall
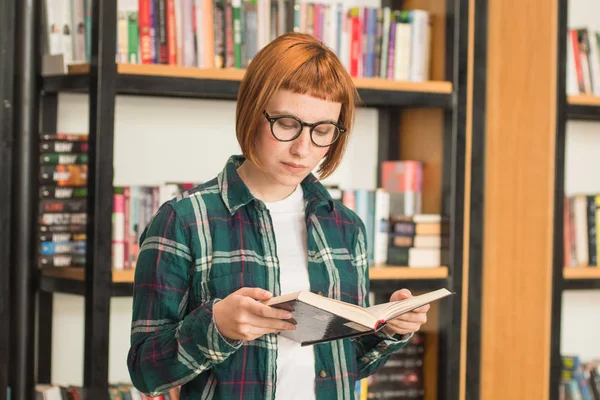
[(159, 139), (581, 309)]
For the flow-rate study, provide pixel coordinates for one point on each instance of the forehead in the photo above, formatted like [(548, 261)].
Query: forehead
[(305, 107)]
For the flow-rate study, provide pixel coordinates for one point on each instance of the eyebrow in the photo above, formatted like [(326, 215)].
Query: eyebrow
[(281, 112)]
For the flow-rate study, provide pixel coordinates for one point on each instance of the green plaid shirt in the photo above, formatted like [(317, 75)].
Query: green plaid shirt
[(214, 240)]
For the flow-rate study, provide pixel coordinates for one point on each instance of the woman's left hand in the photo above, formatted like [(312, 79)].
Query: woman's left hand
[(409, 322)]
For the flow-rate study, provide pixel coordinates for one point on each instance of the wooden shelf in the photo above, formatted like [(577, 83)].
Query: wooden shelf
[(232, 74), (166, 80), (584, 100), (375, 273), (581, 273), (401, 273), (583, 107), (78, 274)]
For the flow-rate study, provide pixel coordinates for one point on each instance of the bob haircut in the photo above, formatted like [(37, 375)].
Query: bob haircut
[(301, 64)]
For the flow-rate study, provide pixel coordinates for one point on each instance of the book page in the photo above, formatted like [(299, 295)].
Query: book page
[(387, 311)]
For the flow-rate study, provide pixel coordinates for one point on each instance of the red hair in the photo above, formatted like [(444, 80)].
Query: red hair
[(301, 64)]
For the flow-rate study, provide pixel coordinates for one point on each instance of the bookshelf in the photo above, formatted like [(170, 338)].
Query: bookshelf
[(569, 108), (583, 107), (165, 80), (71, 280), (7, 39), (424, 121)]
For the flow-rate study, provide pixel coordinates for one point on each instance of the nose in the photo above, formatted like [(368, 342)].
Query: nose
[(302, 145)]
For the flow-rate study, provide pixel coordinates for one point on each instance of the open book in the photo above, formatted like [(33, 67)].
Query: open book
[(320, 319)]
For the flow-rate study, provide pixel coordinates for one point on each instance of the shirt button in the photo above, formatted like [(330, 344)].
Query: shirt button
[(322, 374), (315, 256)]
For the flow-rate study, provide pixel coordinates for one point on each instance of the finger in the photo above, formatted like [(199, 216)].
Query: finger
[(422, 309), (403, 326), (257, 332), (267, 311), (420, 318), (401, 294), (255, 293), (270, 323)]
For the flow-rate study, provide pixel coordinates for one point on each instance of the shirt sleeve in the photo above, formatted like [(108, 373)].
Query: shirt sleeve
[(170, 345), (372, 351)]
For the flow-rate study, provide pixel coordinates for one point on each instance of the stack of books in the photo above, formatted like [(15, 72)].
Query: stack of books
[(63, 200)]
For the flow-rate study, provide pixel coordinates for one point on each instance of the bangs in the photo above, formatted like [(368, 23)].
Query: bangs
[(318, 77)]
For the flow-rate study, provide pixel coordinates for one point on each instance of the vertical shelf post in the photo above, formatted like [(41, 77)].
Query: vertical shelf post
[(103, 74), (45, 300), (24, 194), (558, 283), (7, 17)]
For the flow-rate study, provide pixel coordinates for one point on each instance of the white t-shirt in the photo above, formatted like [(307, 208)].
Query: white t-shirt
[(295, 364)]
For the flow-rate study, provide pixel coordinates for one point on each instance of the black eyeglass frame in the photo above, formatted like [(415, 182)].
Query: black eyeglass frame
[(312, 126)]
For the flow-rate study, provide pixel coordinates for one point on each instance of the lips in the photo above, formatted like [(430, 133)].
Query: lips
[(293, 166)]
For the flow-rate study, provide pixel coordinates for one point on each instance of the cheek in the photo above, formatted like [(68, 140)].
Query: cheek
[(267, 144)]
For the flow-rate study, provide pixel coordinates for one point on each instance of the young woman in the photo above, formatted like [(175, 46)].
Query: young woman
[(264, 227)]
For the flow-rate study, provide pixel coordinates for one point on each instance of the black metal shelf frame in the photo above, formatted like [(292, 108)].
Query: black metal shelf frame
[(580, 284), (165, 86), (103, 83), (7, 44), (583, 112)]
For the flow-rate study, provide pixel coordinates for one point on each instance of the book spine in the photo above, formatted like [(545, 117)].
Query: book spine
[(237, 32), (144, 27), (229, 35), (118, 231)]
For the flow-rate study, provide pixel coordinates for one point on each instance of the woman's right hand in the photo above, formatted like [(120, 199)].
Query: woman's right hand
[(241, 315)]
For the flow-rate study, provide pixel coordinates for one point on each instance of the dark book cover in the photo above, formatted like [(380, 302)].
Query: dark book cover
[(63, 192), (62, 260), (64, 175), (314, 325), (75, 229), (64, 158), (63, 219), (63, 146), (63, 205), (62, 236)]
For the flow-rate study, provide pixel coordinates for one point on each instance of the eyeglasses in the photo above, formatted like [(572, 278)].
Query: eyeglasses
[(286, 128)]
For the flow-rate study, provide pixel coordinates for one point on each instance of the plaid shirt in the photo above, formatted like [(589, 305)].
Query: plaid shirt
[(214, 240)]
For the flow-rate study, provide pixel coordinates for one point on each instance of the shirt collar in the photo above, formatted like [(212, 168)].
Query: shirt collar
[(235, 193)]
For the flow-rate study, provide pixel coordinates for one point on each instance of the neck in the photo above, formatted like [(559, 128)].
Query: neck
[(261, 186)]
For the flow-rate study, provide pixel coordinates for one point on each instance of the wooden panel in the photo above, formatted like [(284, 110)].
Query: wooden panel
[(467, 204), (78, 274), (388, 272), (584, 100), (421, 138), (519, 184), (170, 71), (430, 359), (437, 8), (582, 273)]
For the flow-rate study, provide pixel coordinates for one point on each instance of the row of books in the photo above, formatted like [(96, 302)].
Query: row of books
[(580, 236), (133, 207), (402, 376), (583, 61), (579, 380), (115, 392), (398, 232), (371, 42), (63, 199)]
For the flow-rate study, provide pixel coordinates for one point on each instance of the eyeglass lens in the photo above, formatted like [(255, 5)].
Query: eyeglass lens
[(322, 134)]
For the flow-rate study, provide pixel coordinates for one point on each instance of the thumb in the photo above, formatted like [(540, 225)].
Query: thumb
[(401, 294), (255, 293)]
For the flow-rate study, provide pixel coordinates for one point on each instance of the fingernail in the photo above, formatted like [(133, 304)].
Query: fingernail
[(288, 316)]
